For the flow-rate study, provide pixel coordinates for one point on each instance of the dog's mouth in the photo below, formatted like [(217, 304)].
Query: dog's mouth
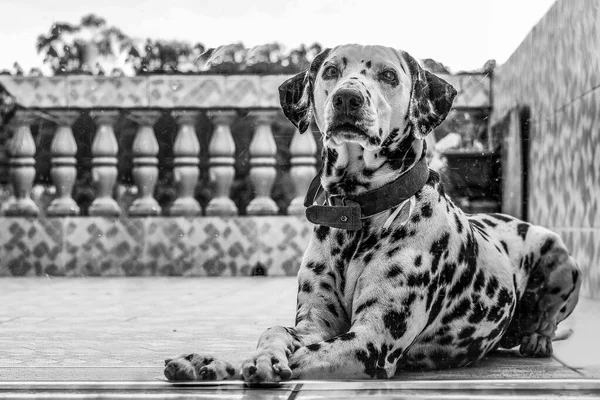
[(346, 130)]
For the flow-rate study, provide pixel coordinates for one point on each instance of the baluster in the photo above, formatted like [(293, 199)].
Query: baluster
[(64, 165), (21, 150), (221, 150), (145, 164), (186, 150), (262, 164), (104, 164), (302, 149)]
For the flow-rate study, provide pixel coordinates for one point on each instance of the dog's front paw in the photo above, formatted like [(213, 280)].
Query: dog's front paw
[(196, 367), (536, 345), (265, 367)]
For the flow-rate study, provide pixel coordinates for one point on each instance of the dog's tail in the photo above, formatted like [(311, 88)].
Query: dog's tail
[(562, 334)]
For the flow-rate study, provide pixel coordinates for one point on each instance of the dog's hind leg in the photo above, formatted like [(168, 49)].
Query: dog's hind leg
[(551, 294)]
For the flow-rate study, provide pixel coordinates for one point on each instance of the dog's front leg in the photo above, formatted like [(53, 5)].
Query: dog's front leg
[(320, 315), (379, 336)]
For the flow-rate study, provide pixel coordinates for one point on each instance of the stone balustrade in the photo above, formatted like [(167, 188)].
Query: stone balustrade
[(144, 100), (202, 230)]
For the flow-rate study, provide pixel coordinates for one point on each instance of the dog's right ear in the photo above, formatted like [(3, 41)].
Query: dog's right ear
[(296, 94)]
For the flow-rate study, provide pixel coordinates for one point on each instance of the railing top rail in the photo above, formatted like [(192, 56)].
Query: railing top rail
[(185, 91)]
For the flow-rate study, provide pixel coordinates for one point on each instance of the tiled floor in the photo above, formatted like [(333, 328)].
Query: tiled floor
[(121, 329)]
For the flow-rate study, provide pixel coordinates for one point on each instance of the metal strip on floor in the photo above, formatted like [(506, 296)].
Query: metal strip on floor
[(441, 385)]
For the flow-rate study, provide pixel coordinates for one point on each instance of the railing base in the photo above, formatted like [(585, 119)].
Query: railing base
[(163, 246)]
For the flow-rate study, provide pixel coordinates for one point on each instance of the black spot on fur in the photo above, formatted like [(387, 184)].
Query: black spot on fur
[(345, 61), (230, 370), (466, 332), (495, 314), (409, 300), (331, 157), (459, 311), (368, 64), (365, 305), (480, 228), (548, 243), (332, 310), (447, 273), (464, 281), (478, 312), (501, 217), (491, 287), (418, 260), (490, 223), (394, 271), (317, 268), (363, 72), (426, 211), (522, 229), (339, 238), (437, 306), (344, 337), (504, 245), (322, 232), (422, 279), (395, 322), (445, 340), (437, 249), (373, 360), (306, 287), (555, 290), (459, 225), (394, 355), (399, 234), (504, 297), (314, 347), (479, 281)]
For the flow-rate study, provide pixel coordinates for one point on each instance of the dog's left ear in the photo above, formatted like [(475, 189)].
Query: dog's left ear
[(430, 99), (296, 94)]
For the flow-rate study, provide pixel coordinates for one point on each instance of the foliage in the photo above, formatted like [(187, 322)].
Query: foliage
[(92, 46)]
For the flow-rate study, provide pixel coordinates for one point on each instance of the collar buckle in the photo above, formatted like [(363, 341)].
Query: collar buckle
[(347, 216)]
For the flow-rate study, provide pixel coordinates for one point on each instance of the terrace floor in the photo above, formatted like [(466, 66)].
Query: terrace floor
[(111, 335)]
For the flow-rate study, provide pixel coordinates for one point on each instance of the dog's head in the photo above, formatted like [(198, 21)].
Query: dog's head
[(366, 94)]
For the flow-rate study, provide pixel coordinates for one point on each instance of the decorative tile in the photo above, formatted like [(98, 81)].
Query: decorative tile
[(564, 98), (30, 246), (99, 91), (98, 246), (186, 91), (565, 166), (283, 241), (556, 63), (269, 90), (42, 92), (209, 246), (242, 91)]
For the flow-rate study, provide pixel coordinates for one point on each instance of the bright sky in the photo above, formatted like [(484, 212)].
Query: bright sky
[(461, 34)]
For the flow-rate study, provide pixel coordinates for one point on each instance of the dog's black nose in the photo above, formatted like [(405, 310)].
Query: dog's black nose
[(347, 100)]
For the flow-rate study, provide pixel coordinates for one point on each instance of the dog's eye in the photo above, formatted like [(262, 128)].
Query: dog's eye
[(330, 72), (388, 76)]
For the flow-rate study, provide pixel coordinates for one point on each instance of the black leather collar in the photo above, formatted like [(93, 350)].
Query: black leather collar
[(347, 212)]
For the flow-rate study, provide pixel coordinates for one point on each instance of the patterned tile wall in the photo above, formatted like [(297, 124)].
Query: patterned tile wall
[(171, 246), (556, 72)]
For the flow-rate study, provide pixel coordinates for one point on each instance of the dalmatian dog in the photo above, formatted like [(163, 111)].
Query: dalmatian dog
[(425, 288)]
